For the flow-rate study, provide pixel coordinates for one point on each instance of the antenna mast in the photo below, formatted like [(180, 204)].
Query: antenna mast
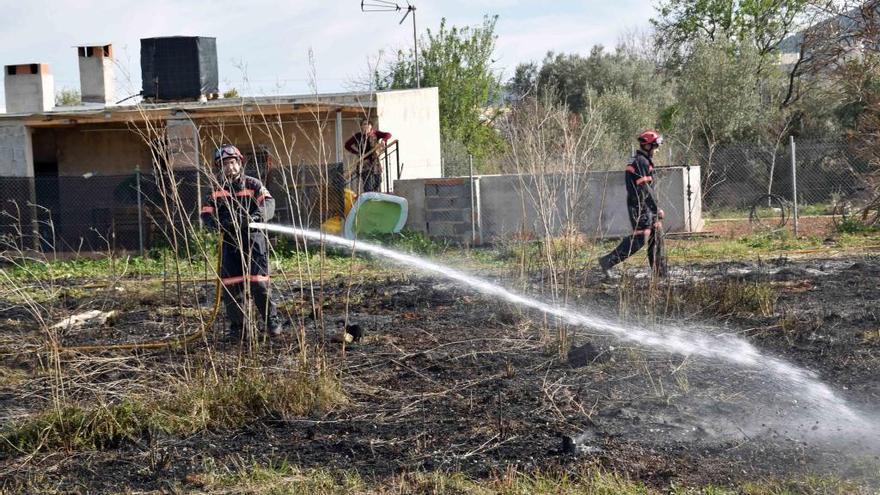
[(389, 6)]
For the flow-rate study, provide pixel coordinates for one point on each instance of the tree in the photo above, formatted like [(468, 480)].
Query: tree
[(458, 62), (624, 116), (624, 90), (524, 82), (718, 92), (719, 100), (763, 23), (574, 79), (67, 97)]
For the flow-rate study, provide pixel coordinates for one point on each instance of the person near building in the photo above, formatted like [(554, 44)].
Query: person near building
[(237, 201), (644, 214), (367, 145)]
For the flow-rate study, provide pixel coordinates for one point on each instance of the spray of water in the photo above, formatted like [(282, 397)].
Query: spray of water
[(815, 398)]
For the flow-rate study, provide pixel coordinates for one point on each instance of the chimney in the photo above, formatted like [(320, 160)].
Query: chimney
[(96, 73), (30, 88)]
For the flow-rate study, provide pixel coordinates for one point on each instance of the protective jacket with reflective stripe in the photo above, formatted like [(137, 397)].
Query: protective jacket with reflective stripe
[(236, 204), (230, 209), (640, 183)]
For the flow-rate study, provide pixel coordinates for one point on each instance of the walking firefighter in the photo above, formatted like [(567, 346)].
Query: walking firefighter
[(238, 201), (641, 204)]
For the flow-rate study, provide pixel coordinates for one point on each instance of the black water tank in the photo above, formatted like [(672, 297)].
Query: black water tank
[(179, 67)]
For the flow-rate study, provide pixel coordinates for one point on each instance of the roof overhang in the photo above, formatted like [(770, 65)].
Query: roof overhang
[(255, 108)]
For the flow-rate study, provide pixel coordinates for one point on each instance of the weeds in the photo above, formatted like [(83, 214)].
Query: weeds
[(809, 485), (411, 242), (586, 480), (194, 405), (234, 400), (730, 297), (286, 478), (707, 298), (72, 427)]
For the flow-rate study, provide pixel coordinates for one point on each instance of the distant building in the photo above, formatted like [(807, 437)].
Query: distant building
[(843, 35)]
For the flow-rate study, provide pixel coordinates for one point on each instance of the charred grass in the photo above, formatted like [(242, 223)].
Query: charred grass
[(449, 392)]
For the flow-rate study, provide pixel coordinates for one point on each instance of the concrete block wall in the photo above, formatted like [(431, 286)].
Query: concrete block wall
[(447, 206), (520, 205), (16, 151)]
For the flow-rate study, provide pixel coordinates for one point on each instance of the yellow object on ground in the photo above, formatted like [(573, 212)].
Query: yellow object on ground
[(350, 198), (332, 225)]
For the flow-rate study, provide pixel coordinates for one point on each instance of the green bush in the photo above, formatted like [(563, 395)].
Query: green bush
[(852, 225)]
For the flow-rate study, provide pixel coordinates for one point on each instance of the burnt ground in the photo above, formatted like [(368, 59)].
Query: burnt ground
[(447, 379)]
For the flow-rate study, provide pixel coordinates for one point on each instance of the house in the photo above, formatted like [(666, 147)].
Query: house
[(835, 38), (71, 175)]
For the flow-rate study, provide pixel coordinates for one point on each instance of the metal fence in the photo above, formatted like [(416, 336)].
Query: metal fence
[(93, 212), (138, 211), (814, 176), (738, 180), (135, 211)]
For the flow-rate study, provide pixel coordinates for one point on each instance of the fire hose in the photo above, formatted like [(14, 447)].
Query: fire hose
[(168, 342)]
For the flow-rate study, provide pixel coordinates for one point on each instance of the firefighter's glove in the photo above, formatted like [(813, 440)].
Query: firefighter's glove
[(231, 225), (660, 214)]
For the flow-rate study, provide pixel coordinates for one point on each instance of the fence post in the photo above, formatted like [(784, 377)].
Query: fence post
[(137, 175), (794, 200), (690, 219), (473, 213)]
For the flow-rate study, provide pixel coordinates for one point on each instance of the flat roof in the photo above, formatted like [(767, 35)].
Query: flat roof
[(90, 113)]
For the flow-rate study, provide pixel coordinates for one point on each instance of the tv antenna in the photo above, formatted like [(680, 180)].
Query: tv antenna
[(389, 6)]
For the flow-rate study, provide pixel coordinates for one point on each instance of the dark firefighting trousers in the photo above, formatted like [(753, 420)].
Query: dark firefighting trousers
[(251, 267), (646, 230)]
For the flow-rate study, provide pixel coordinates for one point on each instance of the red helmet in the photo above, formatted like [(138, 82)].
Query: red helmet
[(227, 151), (651, 137)]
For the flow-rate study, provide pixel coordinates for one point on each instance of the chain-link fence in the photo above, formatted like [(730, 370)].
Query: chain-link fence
[(94, 212), (134, 211), (820, 175), (137, 211), (770, 184)]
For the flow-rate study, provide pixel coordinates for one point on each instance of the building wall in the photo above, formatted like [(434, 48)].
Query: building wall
[(513, 205), (307, 185), (100, 150), (297, 138), (413, 118)]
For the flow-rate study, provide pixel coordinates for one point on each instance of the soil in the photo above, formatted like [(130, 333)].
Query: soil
[(446, 379), (818, 226)]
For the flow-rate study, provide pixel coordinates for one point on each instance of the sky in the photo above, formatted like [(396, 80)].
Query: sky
[(263, 46)]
